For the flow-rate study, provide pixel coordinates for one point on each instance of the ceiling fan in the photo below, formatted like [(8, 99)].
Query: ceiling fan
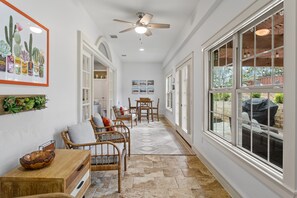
[(143, 25)]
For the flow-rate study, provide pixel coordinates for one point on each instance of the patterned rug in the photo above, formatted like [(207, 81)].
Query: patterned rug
[(159, 138)]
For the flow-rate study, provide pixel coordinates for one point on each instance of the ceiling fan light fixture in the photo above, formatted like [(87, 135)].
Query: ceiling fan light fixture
[(140, 29), (141, 49), (262, 32)]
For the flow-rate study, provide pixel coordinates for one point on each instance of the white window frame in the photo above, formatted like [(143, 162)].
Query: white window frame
[(230, 148), (169, 91)]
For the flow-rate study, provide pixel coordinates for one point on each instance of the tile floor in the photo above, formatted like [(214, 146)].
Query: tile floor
[(170, 171)]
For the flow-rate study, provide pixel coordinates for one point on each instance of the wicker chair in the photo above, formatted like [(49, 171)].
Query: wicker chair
[(105, 156), (130, 116), (118, 126)]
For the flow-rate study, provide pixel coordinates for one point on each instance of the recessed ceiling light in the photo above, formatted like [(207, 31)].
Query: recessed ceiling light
[(141, 49), (113, 36), (262, 32), (35, 29), (140, 29)]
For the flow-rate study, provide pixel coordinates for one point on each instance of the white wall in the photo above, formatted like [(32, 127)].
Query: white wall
[(22, 133), (207, 25), (143, 71)]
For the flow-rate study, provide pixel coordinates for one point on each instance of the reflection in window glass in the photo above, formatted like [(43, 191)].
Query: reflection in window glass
[(247, 73), (222, 68), (278, 29), (264, 36), (221, 113), (248, 44), (263, 71)]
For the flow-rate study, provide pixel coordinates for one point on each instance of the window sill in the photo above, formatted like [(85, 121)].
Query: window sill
[(169, 109), (255, 167)]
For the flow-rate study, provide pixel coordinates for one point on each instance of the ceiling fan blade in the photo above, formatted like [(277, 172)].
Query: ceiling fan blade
[(146, 19), (158, 25), (148, 33), (118, 20), (126, 30)]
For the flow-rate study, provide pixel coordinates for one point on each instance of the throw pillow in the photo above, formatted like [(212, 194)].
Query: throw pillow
[(107, 122), (98, 122), (81, 133), (122, 110)]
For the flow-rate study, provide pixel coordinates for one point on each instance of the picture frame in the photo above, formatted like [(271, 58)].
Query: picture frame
[(24, 48)]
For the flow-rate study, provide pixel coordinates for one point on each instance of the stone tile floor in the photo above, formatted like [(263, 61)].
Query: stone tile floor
[(156, 176)]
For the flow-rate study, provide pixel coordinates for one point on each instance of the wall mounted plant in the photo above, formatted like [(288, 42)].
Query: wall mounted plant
[(16, 104)]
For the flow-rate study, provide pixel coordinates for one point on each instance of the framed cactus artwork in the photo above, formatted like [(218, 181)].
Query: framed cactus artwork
[(24, 48)]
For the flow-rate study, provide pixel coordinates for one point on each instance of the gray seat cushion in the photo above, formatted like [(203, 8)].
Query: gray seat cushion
[(103, 138), (81, 133), (102, 151)]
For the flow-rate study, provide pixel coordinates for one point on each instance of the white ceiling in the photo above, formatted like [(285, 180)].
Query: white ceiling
[(174, 12)]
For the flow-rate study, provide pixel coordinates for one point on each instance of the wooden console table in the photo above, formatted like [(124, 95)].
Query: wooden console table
[(69, 173)]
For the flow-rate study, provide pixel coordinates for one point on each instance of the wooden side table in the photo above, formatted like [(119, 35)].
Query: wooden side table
[(69, 173)]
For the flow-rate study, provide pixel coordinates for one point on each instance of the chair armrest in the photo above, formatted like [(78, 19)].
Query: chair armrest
[(110, 133), (106, 144)]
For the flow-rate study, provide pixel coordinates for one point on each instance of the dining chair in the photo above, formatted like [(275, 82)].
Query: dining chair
[(132, 109), (155, 110), (144, 108)]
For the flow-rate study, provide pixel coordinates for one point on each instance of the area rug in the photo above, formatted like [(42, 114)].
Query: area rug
[(158, 138)]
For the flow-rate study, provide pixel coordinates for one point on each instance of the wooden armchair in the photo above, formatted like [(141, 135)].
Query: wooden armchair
[(118, 126), (129, 116), (104, 155)]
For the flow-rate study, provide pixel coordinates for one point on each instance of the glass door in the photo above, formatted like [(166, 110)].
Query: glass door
[(183, 106), (86, 82)]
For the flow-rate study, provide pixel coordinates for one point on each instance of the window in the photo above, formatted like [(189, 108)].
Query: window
[(246, 88), (169, 94), (220, 93)]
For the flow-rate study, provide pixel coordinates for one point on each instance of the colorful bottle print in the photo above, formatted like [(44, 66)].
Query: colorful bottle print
[(2, 64), (25, 57), (36, 70), (17, 65), (41, 71), (41, 67), (30, 68), (10, 64), (25, 67)]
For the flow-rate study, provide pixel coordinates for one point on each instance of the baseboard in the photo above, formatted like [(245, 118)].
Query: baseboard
[(170, 123), (233, 192)]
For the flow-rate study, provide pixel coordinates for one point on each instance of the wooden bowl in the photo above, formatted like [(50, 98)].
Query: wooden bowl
[(37, 159)]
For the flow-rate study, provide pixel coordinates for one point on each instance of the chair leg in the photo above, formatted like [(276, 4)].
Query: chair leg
[(148, 116), (129, 147), (131, 123), (125, 165), (158, 114), (119, 178)]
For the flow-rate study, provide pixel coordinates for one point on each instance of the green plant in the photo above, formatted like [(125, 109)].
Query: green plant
[(9, 34), (279, 98), (41, 59), (9, 105), (222, 96), (256, 95), (40, 102), (36, 54), (29, 49), (14, 104)]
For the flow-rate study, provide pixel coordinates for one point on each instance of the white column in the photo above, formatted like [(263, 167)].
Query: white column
[(290, 93)]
